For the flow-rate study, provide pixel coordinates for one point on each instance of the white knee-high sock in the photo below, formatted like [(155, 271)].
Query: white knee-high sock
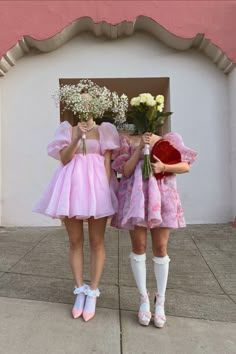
[(161, 270), (138, 265)]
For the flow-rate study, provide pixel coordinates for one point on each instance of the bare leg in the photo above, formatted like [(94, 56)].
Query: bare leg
[(160, 237), (76, 237), (97, 257), (139, 239), (74, 228)]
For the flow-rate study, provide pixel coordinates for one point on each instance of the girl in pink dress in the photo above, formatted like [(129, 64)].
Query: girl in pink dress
[(81, 189), (153, 204)]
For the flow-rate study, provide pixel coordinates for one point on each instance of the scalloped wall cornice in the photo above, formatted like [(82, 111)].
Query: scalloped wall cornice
[(124, 28)]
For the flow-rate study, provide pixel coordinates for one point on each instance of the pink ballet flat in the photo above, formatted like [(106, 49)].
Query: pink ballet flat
[(80, 293), (90, 304), (144, 317), (159, 319)]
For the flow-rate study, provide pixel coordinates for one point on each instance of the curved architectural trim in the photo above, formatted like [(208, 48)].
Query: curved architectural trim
[(142, 23)]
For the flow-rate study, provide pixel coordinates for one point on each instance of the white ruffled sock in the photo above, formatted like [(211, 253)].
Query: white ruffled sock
[(80, 296), (91, 299), (138, 266), (161, 270)]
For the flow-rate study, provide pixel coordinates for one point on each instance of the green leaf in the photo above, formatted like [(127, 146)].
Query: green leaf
[(166, 114)]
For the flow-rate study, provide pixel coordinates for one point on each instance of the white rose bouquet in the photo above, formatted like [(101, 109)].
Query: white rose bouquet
[(147, 115), (86, 99)]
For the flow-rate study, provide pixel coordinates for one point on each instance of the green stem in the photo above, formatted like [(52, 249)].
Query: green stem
[(147, 168), (84, 146)]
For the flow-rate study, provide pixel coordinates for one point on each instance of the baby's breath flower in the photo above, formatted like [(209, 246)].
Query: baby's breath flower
[(87, 99)]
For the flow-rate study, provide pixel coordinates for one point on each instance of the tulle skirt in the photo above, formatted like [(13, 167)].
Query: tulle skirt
[(79, 189)]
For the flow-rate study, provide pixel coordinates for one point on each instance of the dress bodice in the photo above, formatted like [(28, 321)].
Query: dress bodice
[(108, 140), (92, 147)]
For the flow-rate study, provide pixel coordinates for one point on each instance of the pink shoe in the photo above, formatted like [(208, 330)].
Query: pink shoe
[(159, 316), (144, 317), (79, 300), (90, 304)]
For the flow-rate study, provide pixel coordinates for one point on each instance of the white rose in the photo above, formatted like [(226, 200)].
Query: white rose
[(143, 97), (160, 99), (135, 101), (160, 107), (150, 101), (147, 98)]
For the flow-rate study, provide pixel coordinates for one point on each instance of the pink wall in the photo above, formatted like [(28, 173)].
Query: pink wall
[(43, 19)]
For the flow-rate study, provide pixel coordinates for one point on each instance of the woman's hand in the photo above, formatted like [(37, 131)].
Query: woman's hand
[(145, 139), (158, 166), (81, 129)]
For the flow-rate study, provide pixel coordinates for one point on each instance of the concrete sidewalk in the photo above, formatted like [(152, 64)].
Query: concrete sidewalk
[(36, 295)]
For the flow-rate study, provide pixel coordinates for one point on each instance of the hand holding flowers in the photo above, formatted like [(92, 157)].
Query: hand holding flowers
[(145, 139), (147, 115), (82, 129)]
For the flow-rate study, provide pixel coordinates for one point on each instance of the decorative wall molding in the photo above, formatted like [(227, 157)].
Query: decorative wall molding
[(123, 29)]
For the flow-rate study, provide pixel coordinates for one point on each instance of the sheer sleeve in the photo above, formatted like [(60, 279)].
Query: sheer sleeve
[(109, 137), (122, 155), (187, 155), (62, 139)]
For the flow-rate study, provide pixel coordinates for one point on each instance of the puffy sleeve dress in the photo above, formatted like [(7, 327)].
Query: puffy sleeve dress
[(152, 202), (80, 188)]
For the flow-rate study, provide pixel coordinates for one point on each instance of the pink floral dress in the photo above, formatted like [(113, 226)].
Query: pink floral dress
[(149, 202), (80, 188)]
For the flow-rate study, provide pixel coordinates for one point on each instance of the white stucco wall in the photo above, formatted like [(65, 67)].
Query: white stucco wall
[(232, 116), (198, 93), (0, 153)]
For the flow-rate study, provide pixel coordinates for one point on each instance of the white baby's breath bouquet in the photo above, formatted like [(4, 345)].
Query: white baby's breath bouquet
[(87, 99), (147, 115)]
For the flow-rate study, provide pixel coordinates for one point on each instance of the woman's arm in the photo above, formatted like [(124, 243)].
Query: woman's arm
[(67, 153), (159, 166), (107, 162), (130, 165)]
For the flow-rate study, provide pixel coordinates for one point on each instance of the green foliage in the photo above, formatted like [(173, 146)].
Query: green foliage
[(147, 119)]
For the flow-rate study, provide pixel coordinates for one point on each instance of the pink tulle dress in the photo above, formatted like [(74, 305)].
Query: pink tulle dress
[(80, 188), (149, 202)]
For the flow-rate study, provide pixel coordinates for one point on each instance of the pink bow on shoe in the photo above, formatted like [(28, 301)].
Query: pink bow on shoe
[(159, 316), (144, 317)]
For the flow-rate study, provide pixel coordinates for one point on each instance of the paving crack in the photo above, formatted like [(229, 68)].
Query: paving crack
[(35, 245), (192, 237)]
